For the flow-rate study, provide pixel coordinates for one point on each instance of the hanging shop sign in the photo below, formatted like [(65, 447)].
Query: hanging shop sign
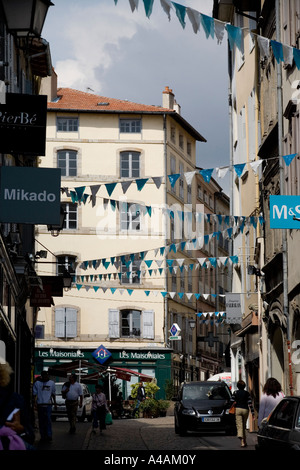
[(175, 332), (101, 354), (23, 121), (233, 308), (30, 195), (285, 212)]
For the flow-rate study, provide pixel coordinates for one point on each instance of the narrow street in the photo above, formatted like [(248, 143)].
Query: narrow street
[(141, 436)]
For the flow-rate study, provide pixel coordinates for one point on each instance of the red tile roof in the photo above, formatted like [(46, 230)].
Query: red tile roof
[(69, 99)]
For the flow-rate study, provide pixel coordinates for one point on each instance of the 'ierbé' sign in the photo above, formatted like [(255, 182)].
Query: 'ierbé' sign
[(23, 124)]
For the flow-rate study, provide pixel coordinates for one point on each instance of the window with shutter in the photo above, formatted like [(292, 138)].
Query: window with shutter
[(65, 322), (114, 323), (148, 324)]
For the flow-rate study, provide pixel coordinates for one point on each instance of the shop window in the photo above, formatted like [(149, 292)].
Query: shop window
[(67, 162)]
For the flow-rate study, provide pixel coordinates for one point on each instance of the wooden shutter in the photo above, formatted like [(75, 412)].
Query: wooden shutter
[(114, 323), (71, 322), (60, 322), (148, 324)]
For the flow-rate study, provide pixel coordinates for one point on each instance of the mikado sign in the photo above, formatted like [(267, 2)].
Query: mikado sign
[(30, 195)]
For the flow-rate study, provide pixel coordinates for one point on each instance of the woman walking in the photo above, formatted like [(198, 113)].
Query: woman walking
[(243, 403)]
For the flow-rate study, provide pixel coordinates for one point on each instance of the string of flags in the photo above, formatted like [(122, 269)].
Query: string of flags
[(79, 194), (214, 28)]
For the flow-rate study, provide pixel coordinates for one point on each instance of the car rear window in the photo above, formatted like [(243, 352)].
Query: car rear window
[(205, 391)]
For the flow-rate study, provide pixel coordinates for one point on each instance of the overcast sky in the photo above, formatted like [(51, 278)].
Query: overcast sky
[(118, 53)]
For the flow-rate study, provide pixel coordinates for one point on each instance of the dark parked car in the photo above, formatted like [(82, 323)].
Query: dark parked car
[(281, 430), (202, 407)]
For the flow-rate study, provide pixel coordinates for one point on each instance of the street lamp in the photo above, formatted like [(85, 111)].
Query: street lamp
[(25, 17), (192, 324), (67, 280)]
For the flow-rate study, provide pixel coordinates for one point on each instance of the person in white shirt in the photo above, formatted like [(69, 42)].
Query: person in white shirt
[(272, 394), (72, 391), (44, 396)]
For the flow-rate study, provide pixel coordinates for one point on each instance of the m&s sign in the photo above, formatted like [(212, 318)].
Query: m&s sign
[(285, 212)]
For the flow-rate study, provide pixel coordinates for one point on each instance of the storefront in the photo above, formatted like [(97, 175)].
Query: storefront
[(155, 363)]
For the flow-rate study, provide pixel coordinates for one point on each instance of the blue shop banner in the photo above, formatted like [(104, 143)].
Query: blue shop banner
[(285, 212)]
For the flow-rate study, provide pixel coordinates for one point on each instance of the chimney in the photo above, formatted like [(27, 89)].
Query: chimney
[(168, 98), (49, 86)]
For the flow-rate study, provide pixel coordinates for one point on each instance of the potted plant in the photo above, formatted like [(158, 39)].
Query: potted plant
[(163, 405)]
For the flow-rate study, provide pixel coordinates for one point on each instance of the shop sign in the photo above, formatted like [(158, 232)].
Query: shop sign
[(23, 121), (30, 195), (285, 212), (175, 331), (141, 355), (233, 308), (101, 354), (59, 354)]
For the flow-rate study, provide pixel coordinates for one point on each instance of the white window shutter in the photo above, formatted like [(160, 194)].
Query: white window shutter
[(148, 324), (71, 322), (114, 323), (60, 322)]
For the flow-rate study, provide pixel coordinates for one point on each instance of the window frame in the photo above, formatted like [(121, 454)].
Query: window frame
[(127, 217), (131, 155), (71, 124), (67, 206), (130, 126), (66, 171)]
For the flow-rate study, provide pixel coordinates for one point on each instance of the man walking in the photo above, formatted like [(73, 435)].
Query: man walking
[(72, 391), (44, 396), (141, 396)]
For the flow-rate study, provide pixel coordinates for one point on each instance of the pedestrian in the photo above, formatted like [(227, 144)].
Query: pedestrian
[(242, 400), (140, 397), (72, 391), (44, 397), (16, 430), (99, 409), (272, 394)]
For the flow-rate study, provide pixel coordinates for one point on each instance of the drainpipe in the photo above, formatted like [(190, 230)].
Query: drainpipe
[(166, 227), (282, 192)]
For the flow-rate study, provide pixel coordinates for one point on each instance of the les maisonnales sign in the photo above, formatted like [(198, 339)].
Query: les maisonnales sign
[(30, 195)]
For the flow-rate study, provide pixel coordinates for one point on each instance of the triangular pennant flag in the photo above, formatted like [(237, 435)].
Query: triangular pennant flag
[(147, 292), (206, 174), (79, 192), (110, 187), (219, 30), (289, 158), (94, 189), (296, 54), (173, 178), (287, 55), (221, 172), (148, 4), (264, 46), (180, 12), (166, 6), (157, 180), (239, 168), (125, 185), (134, 4), (277, 50), (234, 36), (141, 183), (255, 165), (208, 25), (189, 177), (194, 17), (172, 294)]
